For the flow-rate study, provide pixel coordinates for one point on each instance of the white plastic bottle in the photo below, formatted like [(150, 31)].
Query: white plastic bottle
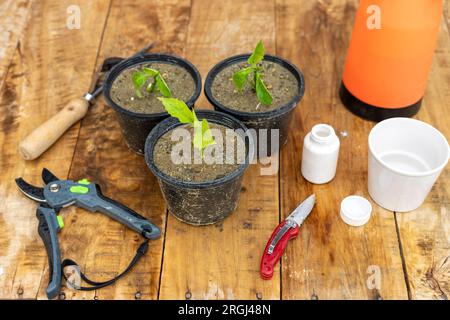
[(320, 154)]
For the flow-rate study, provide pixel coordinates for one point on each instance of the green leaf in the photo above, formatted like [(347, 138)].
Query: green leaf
[(178, 109), (240, 77), (139, 78), (208, 139), (150, 72), (262, 93), (194, 115), (138, 93), (202, 135), (257, 55), (162, 86), (151, 87), (198, 135)]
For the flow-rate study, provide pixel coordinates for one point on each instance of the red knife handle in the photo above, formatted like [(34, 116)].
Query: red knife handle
[(268, 261)]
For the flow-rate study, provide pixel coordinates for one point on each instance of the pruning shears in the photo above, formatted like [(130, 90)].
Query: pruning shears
[(58, 194), (286, 230)]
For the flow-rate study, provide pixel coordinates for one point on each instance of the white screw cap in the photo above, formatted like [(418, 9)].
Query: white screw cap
[(356, 210)]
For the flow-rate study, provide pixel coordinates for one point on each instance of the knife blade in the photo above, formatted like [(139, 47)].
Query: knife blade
[(285, 231)]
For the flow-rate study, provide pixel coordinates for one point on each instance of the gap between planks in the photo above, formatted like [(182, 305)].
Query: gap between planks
[(93, 78), (402, 256), (166, 221)]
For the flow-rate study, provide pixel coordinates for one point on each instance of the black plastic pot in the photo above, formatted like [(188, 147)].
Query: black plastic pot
[(199, 203), (279, 118), (137, 126)]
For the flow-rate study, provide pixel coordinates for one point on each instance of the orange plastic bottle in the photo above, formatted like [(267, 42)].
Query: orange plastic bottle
[(389, 57)]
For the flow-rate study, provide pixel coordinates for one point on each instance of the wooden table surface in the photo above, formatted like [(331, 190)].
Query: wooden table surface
[(44, 64)]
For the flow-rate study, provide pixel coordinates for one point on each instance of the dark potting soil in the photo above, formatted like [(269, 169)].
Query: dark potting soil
[(178, 79), (197, 171), (281, 83)]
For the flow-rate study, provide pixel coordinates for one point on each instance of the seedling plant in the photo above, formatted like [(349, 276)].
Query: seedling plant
[(202, 133), (241, 77), (140, 79)]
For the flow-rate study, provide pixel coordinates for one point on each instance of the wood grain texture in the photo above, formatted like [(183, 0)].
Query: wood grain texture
[(13, 16), (425, 232), (330, 260), (222, 261), (446, 16), (101, 246), (44, 75), (43, 65)]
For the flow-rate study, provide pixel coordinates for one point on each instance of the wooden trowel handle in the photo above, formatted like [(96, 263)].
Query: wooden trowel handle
[(38, 141)]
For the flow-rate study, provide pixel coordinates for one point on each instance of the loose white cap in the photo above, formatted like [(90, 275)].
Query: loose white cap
[(355, 210)]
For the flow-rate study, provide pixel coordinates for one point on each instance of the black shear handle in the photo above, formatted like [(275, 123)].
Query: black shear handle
[(124, 215), (48, 231)]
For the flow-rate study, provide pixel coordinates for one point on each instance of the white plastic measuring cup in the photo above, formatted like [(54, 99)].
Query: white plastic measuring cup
[(406, 156)]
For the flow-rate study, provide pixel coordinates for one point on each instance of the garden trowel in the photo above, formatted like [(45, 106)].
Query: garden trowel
[(44, 136)]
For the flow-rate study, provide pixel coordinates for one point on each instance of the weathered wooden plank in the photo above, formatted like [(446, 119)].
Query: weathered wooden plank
[(101, 246), (13, 15), (330, 260), (425, 232), (222, 261), (45, 73), (447, 13)]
